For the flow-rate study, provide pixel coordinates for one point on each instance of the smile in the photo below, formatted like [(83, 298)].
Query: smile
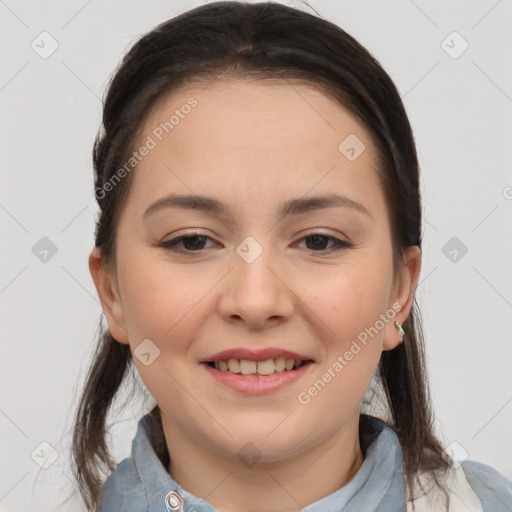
[(248, 367), (256, 377)]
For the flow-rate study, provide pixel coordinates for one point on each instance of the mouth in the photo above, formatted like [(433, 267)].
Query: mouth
[(271, 366), (250, 377)]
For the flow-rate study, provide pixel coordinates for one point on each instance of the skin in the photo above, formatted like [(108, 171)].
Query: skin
[(252, 145)]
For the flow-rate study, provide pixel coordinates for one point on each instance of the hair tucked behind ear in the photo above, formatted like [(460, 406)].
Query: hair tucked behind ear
[(219, 41)]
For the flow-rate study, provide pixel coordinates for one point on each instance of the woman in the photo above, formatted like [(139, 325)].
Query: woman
[(235, 139)]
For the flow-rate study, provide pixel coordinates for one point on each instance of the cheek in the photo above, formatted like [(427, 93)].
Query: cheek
[(352, 300), (159, 304), (350, 310), (351, 353), (168, 309)]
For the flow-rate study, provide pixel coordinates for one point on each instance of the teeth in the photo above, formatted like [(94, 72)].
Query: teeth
[(234, 365), (279, 364), (247, 367), (267, 367)]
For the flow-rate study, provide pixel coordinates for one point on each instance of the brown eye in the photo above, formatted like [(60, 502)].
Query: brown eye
[(318, 242), (191, 243)]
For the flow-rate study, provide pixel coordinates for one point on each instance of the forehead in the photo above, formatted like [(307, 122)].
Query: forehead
[(253, 141)]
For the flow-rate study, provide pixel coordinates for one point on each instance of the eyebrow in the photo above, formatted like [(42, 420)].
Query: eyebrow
[(289, 207)]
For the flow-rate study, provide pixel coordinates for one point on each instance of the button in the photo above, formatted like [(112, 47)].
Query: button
[(174, 502)]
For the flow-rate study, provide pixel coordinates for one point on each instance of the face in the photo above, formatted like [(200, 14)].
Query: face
[(315, 280)]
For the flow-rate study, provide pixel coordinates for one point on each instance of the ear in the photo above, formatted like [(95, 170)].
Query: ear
[(403, 295), (109, 296)]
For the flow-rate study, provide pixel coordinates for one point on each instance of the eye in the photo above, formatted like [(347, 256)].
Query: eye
[(195, 242), (319, 240), (192, 243)]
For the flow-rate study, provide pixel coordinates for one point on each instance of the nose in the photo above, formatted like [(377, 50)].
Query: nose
[(256, 292)]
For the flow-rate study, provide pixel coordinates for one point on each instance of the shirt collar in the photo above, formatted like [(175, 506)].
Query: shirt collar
[(364, 492)]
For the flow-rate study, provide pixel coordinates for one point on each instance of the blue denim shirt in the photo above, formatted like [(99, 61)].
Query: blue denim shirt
[(141, 483)]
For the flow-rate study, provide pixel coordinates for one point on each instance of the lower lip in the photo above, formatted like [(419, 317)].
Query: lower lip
[(258, 384)]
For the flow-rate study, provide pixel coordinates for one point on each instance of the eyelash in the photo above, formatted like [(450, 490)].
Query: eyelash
[(171, 244)]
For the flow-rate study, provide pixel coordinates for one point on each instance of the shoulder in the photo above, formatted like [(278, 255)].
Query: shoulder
[(471, 487), (123, 490), (492, 488)]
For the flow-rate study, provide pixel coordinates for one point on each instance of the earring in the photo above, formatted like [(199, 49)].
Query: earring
[(398, 325)]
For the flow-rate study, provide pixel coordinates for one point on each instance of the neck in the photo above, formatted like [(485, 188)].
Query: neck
[(284, 485)]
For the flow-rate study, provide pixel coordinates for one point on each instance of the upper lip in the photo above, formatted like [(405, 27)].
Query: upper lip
[(255, 355)]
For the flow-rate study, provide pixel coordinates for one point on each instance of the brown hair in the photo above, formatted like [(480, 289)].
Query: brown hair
[(257, 41)]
